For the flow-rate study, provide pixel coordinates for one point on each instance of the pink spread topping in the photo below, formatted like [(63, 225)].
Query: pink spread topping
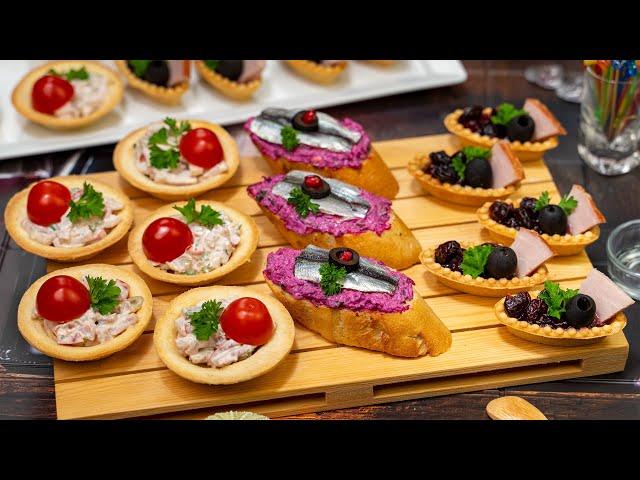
[(531, 251), (586, 215), (609, 298)]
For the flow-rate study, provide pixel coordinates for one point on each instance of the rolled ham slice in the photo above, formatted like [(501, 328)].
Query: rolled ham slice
[(586, 215), (251, 70), (546, 125), (505, 166), (610, 298), (178, 71), (531, 251)]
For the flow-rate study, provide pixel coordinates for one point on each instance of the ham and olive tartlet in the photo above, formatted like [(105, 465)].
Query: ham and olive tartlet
[(316, 142), (237, 79), (489, 269), (355, 301), (567, 317), (319, 71), (177, 159), (68, 219), (193, 243), (163, 80), (568, 226), (530, 130), (308, 209), (223, 335), (85, 313), (67, 94), (470, 176)]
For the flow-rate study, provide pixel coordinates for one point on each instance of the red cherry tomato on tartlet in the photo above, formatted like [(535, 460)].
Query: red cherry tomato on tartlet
[(247, 320), (166, 239), (49, 93), (47, 202), (201, 147), (62, 298)]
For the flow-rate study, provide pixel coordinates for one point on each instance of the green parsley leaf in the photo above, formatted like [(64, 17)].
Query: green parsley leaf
[(302, 202), (177, 129), (212, 64), (332, 278), (556, 298), (189, 211), (160, 158), (289, 138), (104, 295), (207, 216), (474, 260), (505, 112), (90, 204), (163, 150), (476, 152), (139, 67), (542, 201), (568, 204), (459, 164), (159, 137), (461, 159), (205, 321), (79, 74)]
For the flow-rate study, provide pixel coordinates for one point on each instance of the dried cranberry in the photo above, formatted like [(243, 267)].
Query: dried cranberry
[(454, 263), (484, 120), (489, 130), (511, 223), (501, 211), (471, 113), (516, 305), (472, 125), (447, 251), (523, 218), (445, 173), (528, 203), (439, 158), (534, 310)]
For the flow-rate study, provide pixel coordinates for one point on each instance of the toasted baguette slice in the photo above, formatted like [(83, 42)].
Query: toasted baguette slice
[(412, 333)]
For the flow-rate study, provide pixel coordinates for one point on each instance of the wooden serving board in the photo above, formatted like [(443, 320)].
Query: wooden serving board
[(319, 375)]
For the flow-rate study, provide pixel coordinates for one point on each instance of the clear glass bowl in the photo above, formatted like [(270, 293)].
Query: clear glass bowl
[(623, 255)]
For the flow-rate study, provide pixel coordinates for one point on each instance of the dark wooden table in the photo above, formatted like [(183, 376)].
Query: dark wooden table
[(26, 389)]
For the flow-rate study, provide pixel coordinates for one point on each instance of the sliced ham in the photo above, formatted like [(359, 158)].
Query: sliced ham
[(586, 215), (178, 71), (251, 70), (505, 166), (546, 125), (531, 251), (610, 298)]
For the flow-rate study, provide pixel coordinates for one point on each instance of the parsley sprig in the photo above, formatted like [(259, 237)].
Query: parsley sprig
[(460, 161), (567, 203), (104, 295), (302, 202), (139, 66), (474, 260), (90, 204), (73, 74), (332, 278), (212, 64), (505, 112), (556, 298), (207, 216), (163, 144), (289, 138), (205, 321)]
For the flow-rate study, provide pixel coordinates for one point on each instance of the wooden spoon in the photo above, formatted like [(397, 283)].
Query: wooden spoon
[(513, 408)]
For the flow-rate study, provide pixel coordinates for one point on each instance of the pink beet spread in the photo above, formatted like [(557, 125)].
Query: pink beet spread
[(377, 219), (318, 157), (280, 268)]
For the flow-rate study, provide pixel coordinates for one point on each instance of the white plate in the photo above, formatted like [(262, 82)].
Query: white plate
[(280, 87)]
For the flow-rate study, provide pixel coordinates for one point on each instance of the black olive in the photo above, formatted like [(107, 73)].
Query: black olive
[(315, 186), (298, 122), (157, 73), (478, 173), (231, 69), (520, 128), (581, 310), (502, 263), (344, 257), (553, 220)]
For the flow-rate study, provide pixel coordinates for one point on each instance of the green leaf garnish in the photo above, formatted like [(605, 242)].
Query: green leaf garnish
[(139, 66), (302, 202), (212, 64), (163, 150), (90, 204), (104, 295), (476, 152), (474, 260), (289, 138), (205, 321), (542, 201), (505, 112), (177, 129), (556, 298), (568, 204), (459, 164), (79, 74), (332, 278), (460, 160), (207, 216)]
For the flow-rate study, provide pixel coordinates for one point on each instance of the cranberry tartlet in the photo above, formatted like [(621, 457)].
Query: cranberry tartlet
[(237, 79), (162, 80), (319, 71)]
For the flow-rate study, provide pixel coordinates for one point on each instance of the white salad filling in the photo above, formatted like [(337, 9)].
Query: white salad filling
[(93, 328), (212, 247), (88, 96), (184, 174), (65, 233), (218, 351)]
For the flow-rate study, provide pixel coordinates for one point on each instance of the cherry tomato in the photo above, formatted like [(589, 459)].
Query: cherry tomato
[(165, 239), (201, 147), (49, 93), (47, 202), (247, 320), (62, 298)]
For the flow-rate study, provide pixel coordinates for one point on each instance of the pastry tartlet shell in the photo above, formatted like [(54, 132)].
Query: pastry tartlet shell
[(315, 72), (235, 90), (21, 96), (462, 195), (167, 95), (484, 287), (16, 212), (562, 245), (34, 332), (264, 359), (527, 151), (125, 163), (570, 337), (241, 255)]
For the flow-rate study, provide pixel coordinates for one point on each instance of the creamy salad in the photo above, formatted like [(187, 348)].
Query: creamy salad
[(88, 96)]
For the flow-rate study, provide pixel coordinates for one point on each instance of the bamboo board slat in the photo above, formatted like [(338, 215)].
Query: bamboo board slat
[(319, 375)]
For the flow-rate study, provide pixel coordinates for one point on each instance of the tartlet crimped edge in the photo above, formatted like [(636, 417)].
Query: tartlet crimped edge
[(316, 72), (167, 95), (235, 90)]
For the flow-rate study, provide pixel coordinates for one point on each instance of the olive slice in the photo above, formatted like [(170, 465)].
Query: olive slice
[(231, 69), (305, 121), (344, 257), (315, 186)]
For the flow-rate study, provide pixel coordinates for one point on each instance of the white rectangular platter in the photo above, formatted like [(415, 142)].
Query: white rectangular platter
[(281, 87)]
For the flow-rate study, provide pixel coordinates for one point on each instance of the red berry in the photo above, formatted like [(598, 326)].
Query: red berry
[(312, 181), (309, 116), (346, 256)]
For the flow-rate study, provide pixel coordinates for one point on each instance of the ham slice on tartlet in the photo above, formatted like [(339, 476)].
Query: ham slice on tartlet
[(497, 173), (586, 215), (546, 124), (163, 80), (237, 79), (319, 71)]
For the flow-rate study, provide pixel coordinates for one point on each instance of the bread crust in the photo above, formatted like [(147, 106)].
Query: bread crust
[(169, 96), (264, 359), (242, 254), (16, 212), (21, 96), (124, 162), (34, 332), (412, 333), (315, 72), (235, 90)]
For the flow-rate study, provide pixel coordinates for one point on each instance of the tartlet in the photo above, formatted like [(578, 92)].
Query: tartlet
[(167, 95), (316, 72), (264, 359), (21, 96), (124, 162), (16, 212), (34, 332), (241, 255), (235, 90)]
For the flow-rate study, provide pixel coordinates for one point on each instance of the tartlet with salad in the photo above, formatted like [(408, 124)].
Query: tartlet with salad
[(163, 80), (319, 71), (237, 79)]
